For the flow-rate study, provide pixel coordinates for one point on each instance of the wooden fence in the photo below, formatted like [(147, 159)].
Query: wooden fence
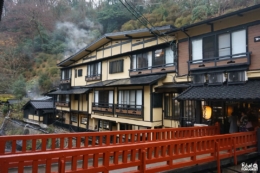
[(51, 142)]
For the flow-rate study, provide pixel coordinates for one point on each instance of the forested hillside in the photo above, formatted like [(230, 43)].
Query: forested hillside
[(36, 34)]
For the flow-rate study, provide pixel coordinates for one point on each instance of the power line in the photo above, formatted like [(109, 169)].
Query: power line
[(144, 21)]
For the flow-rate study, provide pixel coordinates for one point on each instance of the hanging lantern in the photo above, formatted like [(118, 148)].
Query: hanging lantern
[(229, 110), (207, 111)]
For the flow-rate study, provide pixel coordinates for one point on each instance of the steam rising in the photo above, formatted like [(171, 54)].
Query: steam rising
[(78, 36)]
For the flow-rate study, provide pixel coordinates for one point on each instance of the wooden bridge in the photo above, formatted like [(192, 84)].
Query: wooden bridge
[(154, 150)]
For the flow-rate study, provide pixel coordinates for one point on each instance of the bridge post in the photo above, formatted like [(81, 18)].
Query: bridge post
[(61, 168), (258, 140), (217, 156), (2, 146), (234, 150), (217, 128), (142, 167)]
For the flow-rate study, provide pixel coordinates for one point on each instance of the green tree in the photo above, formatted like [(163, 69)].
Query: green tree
[(45, 82), (113, 16), (19, 87)]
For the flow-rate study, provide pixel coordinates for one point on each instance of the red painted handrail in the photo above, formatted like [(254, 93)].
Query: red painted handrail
[(149, 158), (48, 142)]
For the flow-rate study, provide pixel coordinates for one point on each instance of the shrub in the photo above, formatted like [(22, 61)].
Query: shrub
[(53, 71)]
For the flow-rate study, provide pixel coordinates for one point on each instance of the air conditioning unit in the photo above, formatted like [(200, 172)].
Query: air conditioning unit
[(198, 79), (237, 76), (216, 78)]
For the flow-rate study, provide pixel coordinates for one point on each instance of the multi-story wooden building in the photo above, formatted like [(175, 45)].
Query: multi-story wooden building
[(222, 57), (134, 79)]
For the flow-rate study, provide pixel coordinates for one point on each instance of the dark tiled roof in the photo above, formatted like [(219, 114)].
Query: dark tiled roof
[(248, 91), (100, 84), (143, 80), (42, 104), (71, 91)]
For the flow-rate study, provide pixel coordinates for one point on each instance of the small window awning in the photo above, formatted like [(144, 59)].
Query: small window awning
[(100, 84), (173, 87), (71, 91), (247, 91), (143, 80)]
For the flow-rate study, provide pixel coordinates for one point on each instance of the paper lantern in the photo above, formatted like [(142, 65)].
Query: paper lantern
[(207, 111), (229, 110)]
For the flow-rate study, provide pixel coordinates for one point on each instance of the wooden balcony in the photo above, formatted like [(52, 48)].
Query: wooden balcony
[(107, 108), (132, 110), (62, 104), (152, 70), (93, 77), (220, 62), (65, 81)]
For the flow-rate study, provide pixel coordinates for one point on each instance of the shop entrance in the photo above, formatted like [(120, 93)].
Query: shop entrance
[(222, 110), (219, 115)]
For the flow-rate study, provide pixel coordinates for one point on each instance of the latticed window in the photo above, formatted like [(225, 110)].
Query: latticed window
[(171, 106)]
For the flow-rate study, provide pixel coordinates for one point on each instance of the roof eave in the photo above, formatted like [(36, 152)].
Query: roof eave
[(106, 36)]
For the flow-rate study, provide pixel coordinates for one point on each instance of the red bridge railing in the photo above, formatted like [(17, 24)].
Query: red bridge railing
[(152, 157), (51, 142)]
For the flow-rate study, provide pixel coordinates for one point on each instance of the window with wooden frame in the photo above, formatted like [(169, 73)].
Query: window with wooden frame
[(171, 106), (154, 58), (79, 72), (189, 110), (104, 124), (130, 99), (221, 45), (104, 98), (116, 66), (84, 120), (94, 69), (74, 118), (63, 98), (65, 74)]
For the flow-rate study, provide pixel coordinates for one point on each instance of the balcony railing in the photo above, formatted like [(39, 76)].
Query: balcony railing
[(62, 103), (153, 69), (93, 77), (124, 109), (65, 80), (222, 61), (103, 107), (121, 109)]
